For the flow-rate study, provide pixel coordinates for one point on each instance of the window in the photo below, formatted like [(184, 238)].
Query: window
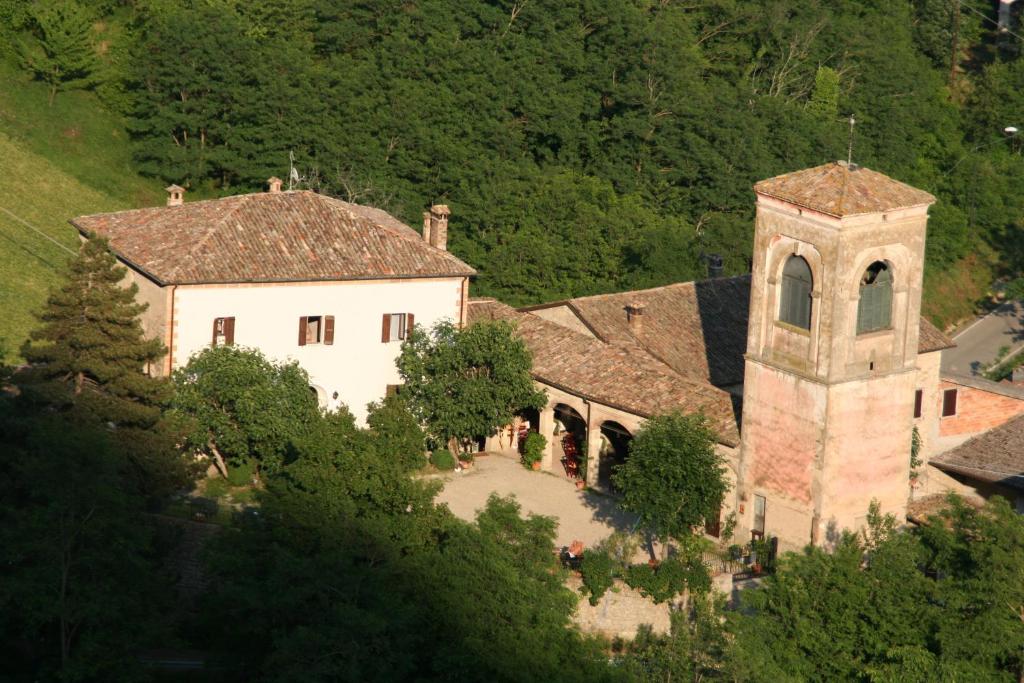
[(949, 403), (760, 507), (874, 311), (918, 402), (396, 326), (223, 331), (316, 329), (392, 390), (795, 304)]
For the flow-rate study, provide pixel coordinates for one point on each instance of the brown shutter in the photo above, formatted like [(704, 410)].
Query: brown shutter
[(918, 402), (229, 331), (385, 330), (213, 340), (303, 323), (409, 321), (949, 403), (328, 329)]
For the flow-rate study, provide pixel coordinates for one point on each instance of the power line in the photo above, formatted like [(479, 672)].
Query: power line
[(35, 229), (992, 21)]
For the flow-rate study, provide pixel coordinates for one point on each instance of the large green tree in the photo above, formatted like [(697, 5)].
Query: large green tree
[(241, 407), (58, 48), (673, 478), (90, 357), (465, 383)]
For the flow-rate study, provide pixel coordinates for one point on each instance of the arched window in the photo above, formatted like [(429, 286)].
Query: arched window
[(795, 304), (874, 312)]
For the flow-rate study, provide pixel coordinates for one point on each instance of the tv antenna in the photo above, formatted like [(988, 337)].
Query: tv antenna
[(849, 149), (293, 174)]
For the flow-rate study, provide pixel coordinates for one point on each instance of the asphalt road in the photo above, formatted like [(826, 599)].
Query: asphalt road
[(978, 344)]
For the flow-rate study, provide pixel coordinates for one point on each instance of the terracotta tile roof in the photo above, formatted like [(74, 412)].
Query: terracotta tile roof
[(920, 510), (621, 375), (699, 329), (995, 456), (268, 237), (840, 190)]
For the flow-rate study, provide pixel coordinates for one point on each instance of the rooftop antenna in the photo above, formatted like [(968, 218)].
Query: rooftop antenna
[(849, 150), (293, 174)]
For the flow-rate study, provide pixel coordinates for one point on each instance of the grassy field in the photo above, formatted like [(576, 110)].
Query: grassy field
[(55, 163)]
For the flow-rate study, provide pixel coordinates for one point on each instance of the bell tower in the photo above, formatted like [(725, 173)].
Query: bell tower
[(830, 374)]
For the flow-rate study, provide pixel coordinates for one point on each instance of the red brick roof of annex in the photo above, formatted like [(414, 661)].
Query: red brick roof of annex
[(619, 374), (269, 237), (699, 329), (995, 456), (839, 190)]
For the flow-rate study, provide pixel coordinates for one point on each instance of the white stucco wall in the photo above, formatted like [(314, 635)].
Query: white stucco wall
[(358, 366)]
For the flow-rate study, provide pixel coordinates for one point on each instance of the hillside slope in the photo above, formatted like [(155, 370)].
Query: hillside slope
[(56, 162)]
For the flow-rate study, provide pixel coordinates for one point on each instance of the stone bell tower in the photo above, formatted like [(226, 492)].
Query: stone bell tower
[(829, 378)]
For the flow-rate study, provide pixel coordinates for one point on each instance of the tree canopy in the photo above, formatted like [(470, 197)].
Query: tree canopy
[(464, 383)]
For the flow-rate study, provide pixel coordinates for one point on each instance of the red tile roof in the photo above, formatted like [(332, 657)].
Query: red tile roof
[(840, 190), (620, 375), (699, 329), (269, 237), (994, 456)]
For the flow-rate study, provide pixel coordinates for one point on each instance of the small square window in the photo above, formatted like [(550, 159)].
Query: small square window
[(393, 390), (395, 327), (949, 397)]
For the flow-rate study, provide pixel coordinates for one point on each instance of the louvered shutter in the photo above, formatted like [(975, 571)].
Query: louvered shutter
[(303, 324), (229, 331), (409, 321), (918, 402), (328, 329), (216, 324), (385, 330)]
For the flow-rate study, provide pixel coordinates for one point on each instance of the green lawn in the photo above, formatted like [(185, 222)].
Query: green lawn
[(55, 163)]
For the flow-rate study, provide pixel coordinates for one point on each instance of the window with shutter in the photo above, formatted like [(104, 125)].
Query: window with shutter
[(874, 310), (223, 331), (302, 330), (313, 329), (918, 402), (395, 326), (949, 402), (795, 301)]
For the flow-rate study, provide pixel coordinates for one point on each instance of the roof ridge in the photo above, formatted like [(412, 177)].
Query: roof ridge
[(671, 285)]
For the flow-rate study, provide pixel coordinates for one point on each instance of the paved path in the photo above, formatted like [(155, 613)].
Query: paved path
[(978, 345), (584, 515)]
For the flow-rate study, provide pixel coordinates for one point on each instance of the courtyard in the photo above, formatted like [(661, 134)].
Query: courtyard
[(587, 515)]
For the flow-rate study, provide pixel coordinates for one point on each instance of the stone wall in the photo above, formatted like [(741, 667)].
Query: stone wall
[(620, 612)]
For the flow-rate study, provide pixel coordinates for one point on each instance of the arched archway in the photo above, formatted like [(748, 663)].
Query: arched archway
[(568, 440), (615, 440), (319, 395)]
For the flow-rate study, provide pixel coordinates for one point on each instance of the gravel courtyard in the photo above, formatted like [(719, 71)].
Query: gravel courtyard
[(584, 515)]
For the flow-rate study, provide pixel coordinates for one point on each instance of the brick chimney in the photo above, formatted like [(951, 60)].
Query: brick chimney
[(175, 195), (635, 317), (439, 226), (426, 227), (274, 184)]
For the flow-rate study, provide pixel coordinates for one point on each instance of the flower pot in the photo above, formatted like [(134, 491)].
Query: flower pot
[(535, 465), (580, 484)]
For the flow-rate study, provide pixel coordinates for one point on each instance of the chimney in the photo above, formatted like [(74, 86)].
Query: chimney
[(175, 195), (439, 226), (426, 227), (635, 317), (275, 184), (715, 266)]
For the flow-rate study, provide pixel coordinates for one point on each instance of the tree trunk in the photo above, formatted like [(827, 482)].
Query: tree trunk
[(218, 460)]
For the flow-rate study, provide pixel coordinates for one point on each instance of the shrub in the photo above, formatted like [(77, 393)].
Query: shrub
[(668, 579), (622, 547), (442, 460), (598, 569), (533, 448), (240, 472), (397, 433), (216, 487)]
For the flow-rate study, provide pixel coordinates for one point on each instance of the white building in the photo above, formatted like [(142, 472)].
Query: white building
[(297, 275)]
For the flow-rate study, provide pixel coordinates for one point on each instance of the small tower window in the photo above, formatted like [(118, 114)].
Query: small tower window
[(795, 304), (874, 312)]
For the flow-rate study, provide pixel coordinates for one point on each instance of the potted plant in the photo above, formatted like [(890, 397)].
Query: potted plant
[(533, 450), (466, 460)]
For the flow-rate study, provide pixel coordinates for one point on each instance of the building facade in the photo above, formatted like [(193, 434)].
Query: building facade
[(299, 276)]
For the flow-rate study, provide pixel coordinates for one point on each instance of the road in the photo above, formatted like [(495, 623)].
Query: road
[(978, 344)]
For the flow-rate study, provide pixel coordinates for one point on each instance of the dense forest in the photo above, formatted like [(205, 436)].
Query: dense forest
[(583, 145)]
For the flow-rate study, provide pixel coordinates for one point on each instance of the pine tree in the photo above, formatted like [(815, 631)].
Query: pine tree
[(89, 358), (62, 53)]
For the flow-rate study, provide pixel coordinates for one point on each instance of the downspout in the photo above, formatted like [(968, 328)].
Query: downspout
[(170, 333)]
